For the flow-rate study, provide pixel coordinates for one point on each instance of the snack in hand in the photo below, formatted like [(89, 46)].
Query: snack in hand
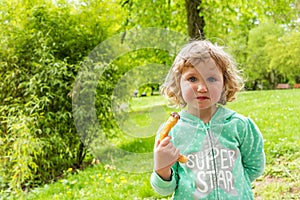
[(173, 119)]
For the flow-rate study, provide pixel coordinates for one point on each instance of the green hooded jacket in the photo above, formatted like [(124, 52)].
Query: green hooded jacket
[(224, 157)]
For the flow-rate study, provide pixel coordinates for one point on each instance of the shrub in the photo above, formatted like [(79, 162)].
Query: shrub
[(42, 45)]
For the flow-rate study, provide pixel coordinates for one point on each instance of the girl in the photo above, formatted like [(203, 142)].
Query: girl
[(224, 149)]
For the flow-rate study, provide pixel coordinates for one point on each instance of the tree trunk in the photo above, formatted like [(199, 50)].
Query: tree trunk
[(194, 20)]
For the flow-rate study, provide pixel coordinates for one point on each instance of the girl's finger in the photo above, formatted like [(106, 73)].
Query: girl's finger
[(165, 141)]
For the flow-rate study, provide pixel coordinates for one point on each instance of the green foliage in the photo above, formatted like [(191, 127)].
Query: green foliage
[(159, 13), (259, 39), (273, 55), (21, 149), (284, 56), (106, 86), (233, 20), (42, 45)]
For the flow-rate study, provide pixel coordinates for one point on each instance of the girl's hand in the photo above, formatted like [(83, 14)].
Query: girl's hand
[(165, 155)]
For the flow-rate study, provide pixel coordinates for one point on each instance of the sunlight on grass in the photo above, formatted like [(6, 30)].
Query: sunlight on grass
[(98, 182)]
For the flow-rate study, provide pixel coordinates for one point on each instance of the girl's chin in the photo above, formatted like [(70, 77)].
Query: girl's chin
[(202, 108)]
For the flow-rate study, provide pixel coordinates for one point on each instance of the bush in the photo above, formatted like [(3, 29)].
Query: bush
[(42, 45)]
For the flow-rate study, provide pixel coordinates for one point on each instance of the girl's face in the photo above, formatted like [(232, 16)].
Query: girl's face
[(201, 87)]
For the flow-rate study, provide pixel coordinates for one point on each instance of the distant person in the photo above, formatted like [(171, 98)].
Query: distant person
[(224, 149), (135, 93)]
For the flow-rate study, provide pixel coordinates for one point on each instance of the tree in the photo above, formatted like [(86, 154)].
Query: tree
[(260, 40), (195, 19), (284, 56)]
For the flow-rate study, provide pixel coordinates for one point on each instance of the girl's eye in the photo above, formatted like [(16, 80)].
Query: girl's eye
[(192, 79), (211, 79)]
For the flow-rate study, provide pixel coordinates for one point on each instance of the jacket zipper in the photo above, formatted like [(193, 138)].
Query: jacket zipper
[(214, 164)]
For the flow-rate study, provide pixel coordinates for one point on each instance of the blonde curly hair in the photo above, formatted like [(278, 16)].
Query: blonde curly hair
[(195, 52)]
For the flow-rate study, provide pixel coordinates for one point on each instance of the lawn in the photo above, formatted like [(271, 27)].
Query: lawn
[(276, 112)]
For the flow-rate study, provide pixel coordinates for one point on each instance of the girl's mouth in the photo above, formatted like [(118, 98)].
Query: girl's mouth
[(202, 98)]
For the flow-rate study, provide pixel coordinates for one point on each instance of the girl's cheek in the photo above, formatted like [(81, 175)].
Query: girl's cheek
[(216, 86), (186, 86), (187, 92)]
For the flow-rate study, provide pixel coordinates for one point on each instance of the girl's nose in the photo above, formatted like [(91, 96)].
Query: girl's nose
[(202, 87)]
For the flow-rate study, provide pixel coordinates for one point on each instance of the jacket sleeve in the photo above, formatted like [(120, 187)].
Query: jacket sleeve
[(161, 186), (252, 151)]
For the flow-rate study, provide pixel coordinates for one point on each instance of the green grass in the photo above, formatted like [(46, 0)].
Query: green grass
[(275, 112), (97, 182)]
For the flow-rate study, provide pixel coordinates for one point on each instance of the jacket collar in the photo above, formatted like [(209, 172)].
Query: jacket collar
[(221, 115)]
